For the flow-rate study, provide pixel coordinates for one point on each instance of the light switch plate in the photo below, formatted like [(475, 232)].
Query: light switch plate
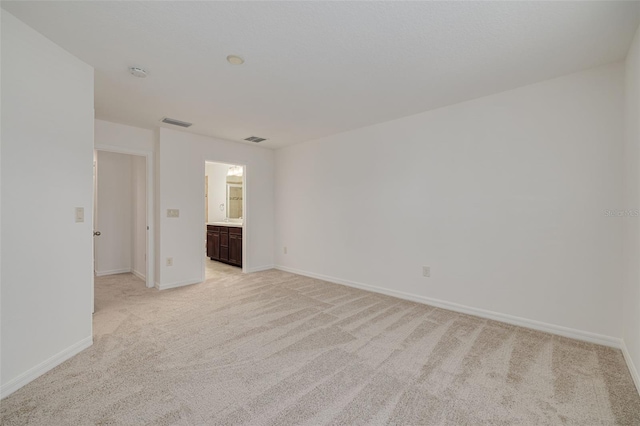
[(173, 213), (79, 214)]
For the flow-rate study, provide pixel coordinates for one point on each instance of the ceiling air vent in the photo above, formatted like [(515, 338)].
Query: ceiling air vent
[(176, 122), (255, 139)]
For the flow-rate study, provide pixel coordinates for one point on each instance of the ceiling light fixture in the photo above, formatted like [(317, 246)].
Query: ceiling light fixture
[(235, 171), (235, 60), (138, 72)]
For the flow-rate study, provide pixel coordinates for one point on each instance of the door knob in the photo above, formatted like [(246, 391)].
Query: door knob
[(96, 233)]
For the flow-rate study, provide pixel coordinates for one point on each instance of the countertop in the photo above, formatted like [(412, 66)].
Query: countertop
[(231, 224)]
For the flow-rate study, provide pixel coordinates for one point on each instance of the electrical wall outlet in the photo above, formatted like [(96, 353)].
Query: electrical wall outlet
[(169, 261), (285, 249), (79, 214), (173, 213), (426, 271)]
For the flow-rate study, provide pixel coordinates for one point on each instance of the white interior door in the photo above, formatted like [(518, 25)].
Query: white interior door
[(139, 227), (114, 198), (122, 215), (95, 225), (113, 248)]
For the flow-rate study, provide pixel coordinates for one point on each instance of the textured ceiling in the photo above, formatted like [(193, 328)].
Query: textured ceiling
[(318, 68)]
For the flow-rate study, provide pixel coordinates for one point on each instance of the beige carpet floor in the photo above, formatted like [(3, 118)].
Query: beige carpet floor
[(273, 348)]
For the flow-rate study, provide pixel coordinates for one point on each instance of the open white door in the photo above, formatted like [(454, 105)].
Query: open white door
[(122, 215), (96, 233)]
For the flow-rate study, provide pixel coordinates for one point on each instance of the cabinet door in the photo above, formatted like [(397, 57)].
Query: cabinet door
[(224, 246), (209, 244), (235, 249), (215, 245)]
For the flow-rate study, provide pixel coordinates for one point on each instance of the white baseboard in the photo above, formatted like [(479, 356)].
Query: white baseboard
[(37, 371), (496, 316), (140, 275), (632, 368), (176, 284), (259, 268), (112, 272)]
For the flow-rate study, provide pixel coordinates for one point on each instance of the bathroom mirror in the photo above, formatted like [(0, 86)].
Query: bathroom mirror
[(234, 197)]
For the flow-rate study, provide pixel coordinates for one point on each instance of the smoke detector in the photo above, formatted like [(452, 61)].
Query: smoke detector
[(235, 60), (138, 72)]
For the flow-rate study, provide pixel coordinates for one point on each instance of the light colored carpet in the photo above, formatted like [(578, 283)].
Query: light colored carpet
[(273, 348)]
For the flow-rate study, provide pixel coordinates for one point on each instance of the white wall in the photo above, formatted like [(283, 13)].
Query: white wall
[(182, 159), (217, 174), (503, 197), (631, 295), (2, 391), (113, 249), (139, 215), (47, 162), (123, 136)]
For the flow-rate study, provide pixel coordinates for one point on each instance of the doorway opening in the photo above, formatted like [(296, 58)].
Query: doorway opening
[(225, 218), (123, 214)]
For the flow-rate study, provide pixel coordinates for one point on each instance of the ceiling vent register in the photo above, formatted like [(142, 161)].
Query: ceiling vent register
[(176, 122), (255, 139)]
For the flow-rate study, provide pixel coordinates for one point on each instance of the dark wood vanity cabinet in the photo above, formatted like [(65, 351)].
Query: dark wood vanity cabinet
[(224, 244)]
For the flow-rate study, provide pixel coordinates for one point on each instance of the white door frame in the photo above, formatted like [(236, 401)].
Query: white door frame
[(244, 212), (150, 211)]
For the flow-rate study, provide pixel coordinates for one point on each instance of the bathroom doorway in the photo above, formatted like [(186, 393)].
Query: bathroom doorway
[(225, 221)]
